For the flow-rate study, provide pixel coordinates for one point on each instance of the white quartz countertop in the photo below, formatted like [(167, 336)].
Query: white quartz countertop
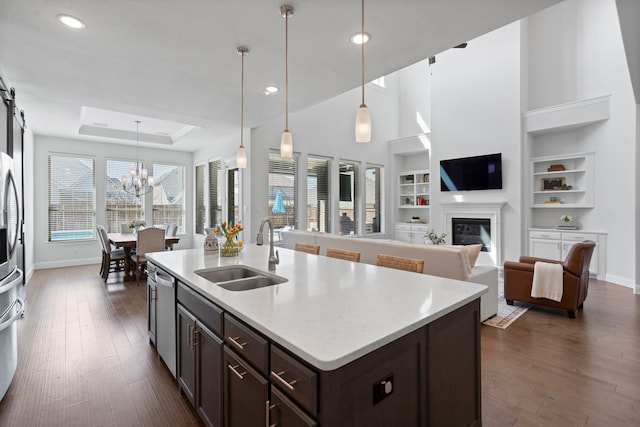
[(329, 312)]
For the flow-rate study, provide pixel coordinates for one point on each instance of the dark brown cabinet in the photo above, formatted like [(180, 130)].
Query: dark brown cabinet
[(285, 413), (200, 367), (428, 377), (246, 393)]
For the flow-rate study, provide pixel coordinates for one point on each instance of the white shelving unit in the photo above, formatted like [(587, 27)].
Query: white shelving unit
[(413, 189), (568, 188), (572, 189)]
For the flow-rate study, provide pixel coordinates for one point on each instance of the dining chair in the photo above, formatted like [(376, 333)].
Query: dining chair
[(172, 231), (112, 259), (308, 248), (341, 254), (400, 263), (149, 240)]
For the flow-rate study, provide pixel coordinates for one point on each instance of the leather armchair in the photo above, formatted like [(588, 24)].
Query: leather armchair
[(518, 278)]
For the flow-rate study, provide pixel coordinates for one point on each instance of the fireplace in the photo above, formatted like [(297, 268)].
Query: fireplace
[(482, 224), (470, 231)]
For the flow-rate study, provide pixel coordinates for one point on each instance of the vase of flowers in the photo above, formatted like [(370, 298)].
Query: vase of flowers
[(136, 224), (230, 244)]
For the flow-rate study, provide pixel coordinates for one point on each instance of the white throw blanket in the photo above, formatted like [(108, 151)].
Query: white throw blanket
[(547, 281)]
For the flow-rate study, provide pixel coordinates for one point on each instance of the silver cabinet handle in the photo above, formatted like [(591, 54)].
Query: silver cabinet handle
[(234, 340), (287, 384), (238, 374), (195, 337), (267, 409)]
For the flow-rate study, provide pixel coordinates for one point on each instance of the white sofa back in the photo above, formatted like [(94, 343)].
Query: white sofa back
[(449, 262)]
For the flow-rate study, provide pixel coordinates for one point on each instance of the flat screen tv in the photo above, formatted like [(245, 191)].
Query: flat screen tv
[(471, 173)]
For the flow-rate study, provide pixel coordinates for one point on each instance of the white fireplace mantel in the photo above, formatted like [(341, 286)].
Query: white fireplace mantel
[(491, 211)]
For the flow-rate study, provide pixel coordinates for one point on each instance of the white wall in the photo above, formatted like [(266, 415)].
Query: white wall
[(575, 52), (59, 254), (327, 129), (225, 148), (476, 110)]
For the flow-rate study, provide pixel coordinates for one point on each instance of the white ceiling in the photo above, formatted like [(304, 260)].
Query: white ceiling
[(176, 61)]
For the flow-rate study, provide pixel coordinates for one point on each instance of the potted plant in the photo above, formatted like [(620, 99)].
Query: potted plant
[(434, 239)]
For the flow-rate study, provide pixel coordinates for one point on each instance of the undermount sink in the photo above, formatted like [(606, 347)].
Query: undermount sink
[(239, 278)]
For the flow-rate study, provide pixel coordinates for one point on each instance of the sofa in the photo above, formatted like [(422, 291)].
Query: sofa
[(453, 262)]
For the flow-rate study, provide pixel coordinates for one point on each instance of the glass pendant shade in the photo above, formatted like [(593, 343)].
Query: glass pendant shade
[(363, 124), (241, 158), (286, 144)]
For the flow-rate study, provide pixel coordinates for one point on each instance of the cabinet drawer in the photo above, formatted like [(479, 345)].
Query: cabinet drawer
[(207, 312), (420, 228), (579, 237), (283, 412), (551, 235), (403, 227), (244, 341), (294, 379)]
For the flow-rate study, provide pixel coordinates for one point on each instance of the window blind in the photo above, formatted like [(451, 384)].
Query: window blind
[(216, 181), (168, 195), (72, 197), (121, 207), (201, 209), (318, 194)]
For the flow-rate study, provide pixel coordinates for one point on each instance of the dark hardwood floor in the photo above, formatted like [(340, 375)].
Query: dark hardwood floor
[(85, 360)]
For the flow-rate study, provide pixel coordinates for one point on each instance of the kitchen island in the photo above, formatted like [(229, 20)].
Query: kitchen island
[(338, 343)]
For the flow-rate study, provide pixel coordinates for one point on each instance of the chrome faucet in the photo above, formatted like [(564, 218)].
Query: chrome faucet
[(273, 259)]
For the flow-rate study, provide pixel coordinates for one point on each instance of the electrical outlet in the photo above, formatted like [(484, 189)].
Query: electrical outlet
[(382, 389)]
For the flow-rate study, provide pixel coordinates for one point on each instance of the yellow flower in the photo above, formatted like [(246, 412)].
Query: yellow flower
[(240, 243)]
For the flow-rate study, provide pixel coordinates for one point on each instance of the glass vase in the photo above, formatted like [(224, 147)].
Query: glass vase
[(229, 248)]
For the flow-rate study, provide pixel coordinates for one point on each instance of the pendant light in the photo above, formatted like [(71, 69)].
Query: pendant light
[(241, 158), (286, 142), (363, 119)]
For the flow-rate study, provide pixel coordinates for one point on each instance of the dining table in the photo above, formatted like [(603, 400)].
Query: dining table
[(128, 241)]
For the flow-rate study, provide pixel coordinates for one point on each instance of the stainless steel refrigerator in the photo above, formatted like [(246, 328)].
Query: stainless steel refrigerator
[(11, 289)]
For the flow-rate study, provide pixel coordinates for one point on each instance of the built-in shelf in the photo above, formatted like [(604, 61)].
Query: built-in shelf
[(551, 186), (413, 189)]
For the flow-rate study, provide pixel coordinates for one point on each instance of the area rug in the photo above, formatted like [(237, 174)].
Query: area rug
[(507, 314)]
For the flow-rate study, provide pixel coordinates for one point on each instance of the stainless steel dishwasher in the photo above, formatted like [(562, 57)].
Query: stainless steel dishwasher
[(161, 301)]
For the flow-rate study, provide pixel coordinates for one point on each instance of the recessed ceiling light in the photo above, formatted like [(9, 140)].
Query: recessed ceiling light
[(357, 38), (71, 21), (270, 89)]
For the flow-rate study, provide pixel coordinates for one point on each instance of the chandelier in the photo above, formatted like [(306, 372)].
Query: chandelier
[(139, 183)]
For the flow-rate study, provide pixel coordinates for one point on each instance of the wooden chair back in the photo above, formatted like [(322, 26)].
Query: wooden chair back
[(341, 254), (400, 263), (308, 248)]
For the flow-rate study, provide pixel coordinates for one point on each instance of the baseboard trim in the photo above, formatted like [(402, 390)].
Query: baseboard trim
[(623, 281), (65, 263)]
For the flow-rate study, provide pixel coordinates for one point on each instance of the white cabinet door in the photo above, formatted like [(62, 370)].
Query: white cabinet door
[(593, 266), (417, 237), (403, 235), (541, 248)]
